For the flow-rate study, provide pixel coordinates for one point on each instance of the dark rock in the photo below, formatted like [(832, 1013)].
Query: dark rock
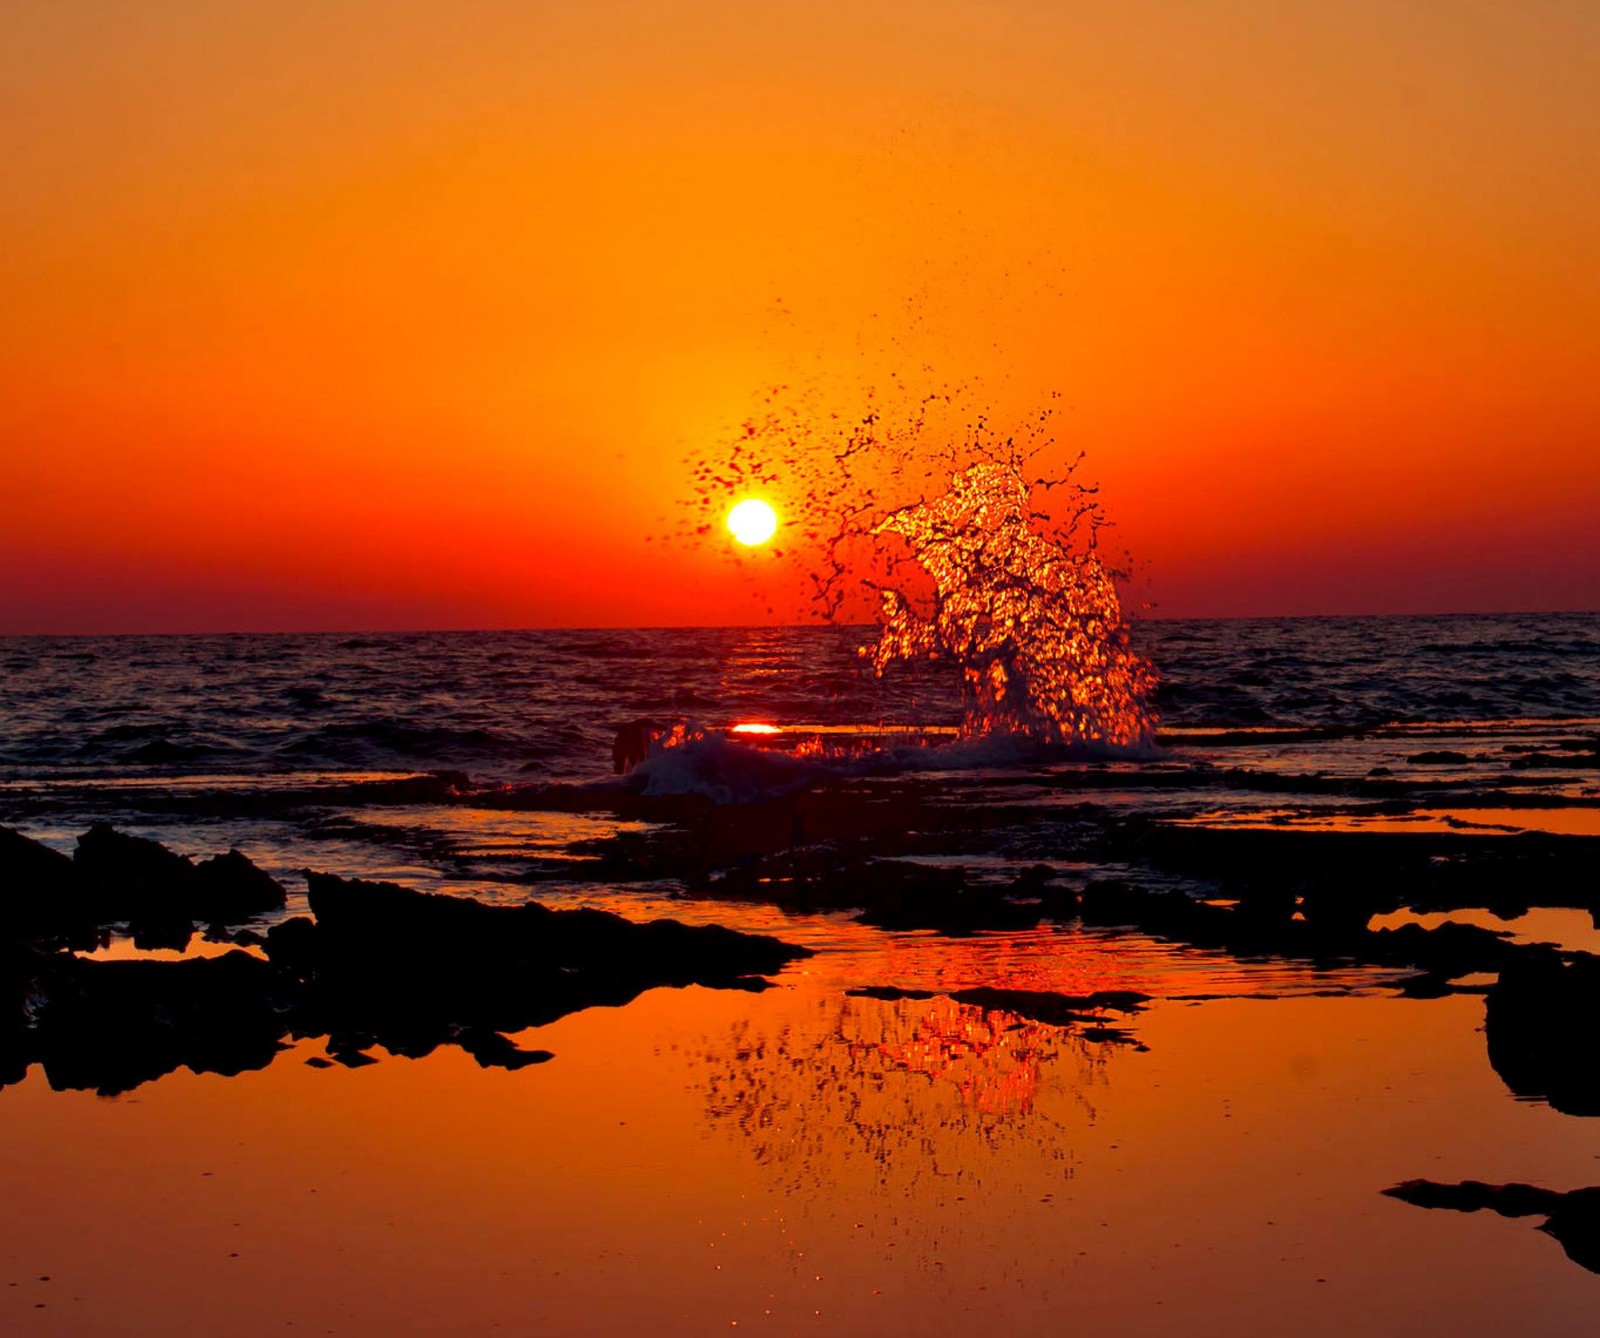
[(889, 893), (155, 935), (1553, 762), (415, 970), (113, 1025), (1376, 872), (1470, 1196), (229, 888), (294, 945), (1542, 1025), (445, 932), (383, 966), (131, 878), (494, 1051), (1048, 1006), (1572, 1218), (39, 891), (903, 895), (134, 879), (632, 745), (1438, 758), (30, 869)]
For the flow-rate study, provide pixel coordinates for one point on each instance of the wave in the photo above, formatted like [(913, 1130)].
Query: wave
[(691, 760), (722, 770)]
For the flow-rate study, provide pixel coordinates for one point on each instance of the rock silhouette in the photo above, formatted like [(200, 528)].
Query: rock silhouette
[(379, 965), (1542, 1025), (1572, 1218), (115, 878)]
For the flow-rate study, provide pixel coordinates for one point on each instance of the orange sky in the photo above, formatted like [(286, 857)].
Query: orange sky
[(404, 315)]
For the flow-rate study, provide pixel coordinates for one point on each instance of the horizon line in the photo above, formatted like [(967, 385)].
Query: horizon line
[(755, 627)]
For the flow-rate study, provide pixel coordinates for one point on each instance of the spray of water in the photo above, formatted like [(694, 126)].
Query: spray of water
[(965, 543), (1033, 624)]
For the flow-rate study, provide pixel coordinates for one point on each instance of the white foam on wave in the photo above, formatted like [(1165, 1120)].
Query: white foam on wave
[(694, 761), (690, 761)]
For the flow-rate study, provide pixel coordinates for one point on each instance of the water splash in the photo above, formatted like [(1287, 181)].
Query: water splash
[(966, 545), (1034, 625)]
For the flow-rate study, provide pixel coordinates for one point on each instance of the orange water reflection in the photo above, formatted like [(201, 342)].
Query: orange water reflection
[(800, 1160)]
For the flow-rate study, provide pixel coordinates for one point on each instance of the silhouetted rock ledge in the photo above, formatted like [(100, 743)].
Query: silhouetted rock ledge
[(384, 964), (116, 878), (1541, 1023), (356, 915), (381, 965), (110, 1026), (38, 887), (1572, 1218)]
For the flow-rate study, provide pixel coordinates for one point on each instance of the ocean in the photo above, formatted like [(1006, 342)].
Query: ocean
[(1140, 1032), (518, 707)]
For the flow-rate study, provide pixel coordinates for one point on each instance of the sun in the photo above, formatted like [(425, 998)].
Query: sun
[(753, 522)]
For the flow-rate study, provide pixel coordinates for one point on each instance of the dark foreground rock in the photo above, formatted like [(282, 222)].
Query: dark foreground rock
[(115, 878), (1572, 1218), (413, 970), (138, 880), (39, 891), (381, 965), (1542, 1025), (110, 1026)]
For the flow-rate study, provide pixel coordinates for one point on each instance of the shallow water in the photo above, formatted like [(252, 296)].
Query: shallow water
[(804, 1162)]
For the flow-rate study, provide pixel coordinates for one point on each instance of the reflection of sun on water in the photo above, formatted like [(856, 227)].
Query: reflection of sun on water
[(752, 522)]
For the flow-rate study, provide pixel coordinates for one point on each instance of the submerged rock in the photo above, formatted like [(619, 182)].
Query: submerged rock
[(888, 893)]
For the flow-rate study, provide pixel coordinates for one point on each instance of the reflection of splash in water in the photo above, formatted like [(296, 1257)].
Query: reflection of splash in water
[(991, 1058), (969, 547), (902, 1091)]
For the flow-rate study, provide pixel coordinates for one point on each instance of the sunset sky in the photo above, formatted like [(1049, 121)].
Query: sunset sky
[(405, 315)]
